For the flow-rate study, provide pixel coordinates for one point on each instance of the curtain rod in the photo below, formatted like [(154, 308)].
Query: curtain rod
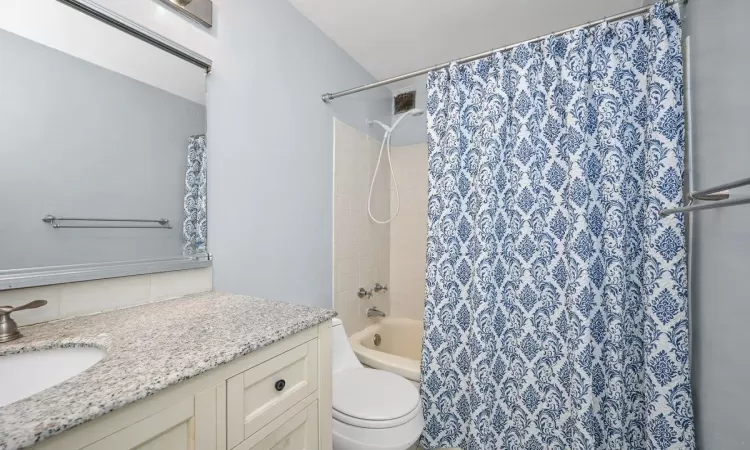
[(622, 16)]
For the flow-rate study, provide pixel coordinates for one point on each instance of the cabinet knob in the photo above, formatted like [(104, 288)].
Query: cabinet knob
[(280, 385)]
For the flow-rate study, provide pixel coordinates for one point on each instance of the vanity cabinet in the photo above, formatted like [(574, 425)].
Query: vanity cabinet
[(173, 428), (297, 428), (259, 395), (278, 397)]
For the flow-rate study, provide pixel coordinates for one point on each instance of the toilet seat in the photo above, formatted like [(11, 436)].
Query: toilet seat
[(370, 398)]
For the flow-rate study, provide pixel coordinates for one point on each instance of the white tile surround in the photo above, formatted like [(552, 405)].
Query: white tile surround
[(361, 247), (366, 252), (408, 231), (86, 297)]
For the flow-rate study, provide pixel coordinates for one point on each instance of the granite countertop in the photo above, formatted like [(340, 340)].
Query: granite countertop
[(149, 348)]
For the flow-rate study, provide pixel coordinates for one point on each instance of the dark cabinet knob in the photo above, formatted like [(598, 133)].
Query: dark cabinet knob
[(280, 385)]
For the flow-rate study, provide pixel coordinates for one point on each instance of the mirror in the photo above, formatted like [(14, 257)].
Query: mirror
[(100, 137)]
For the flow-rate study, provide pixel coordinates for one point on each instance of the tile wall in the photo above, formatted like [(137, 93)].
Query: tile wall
[(87, 297), (408, 231), (361, 247)]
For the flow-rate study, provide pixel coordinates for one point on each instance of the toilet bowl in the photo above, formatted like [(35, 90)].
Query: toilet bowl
[(372, 409)]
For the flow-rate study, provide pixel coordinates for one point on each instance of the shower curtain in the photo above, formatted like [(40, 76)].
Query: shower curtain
[(194, 230), (556, 300)]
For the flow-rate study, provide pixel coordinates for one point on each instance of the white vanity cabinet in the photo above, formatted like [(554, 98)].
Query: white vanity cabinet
[(172, 428), (278, 397)]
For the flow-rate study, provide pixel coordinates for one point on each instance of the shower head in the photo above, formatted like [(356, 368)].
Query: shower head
[(410, 113)]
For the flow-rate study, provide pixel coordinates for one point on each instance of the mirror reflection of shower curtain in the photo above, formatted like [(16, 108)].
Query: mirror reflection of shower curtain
[(556, 300), (194, 228)]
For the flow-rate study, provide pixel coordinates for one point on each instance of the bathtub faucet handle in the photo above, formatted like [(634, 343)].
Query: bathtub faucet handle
[(362, 293), (379, 287)]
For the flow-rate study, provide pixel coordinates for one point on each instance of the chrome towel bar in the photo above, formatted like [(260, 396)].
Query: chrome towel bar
[(717, 194), (52, 220)]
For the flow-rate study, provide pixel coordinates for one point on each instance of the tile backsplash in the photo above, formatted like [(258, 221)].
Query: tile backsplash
[(86, 297), (361, 247)]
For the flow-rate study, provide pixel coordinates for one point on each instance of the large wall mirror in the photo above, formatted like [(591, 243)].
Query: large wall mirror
[(108, 144)]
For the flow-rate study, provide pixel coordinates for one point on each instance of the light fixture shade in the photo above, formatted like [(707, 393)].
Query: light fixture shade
[(200, 11)]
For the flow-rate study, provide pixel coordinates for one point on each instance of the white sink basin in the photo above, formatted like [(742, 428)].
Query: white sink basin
[(25, 374)]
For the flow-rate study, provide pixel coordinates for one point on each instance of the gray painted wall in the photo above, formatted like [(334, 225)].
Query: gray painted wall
[(720, 53), (80, 140), (270, 160)]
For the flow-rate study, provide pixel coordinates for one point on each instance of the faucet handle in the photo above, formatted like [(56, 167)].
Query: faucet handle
[(30, 305), (8, 327), (379, 287)]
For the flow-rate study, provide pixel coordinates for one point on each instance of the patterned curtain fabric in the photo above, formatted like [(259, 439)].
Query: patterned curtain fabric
[(556, 302), (194, 229)]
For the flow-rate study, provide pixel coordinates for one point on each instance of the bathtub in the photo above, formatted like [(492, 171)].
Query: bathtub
[(399, 350)]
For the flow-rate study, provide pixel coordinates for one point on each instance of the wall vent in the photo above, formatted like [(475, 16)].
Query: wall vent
[(404, 101)]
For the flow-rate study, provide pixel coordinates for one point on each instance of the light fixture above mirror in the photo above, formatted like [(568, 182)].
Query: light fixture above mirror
[(200, 11)]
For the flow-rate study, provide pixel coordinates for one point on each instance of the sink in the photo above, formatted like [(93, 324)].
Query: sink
[(25, 374)]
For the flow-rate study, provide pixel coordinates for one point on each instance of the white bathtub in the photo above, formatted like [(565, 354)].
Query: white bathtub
[(400, 348)]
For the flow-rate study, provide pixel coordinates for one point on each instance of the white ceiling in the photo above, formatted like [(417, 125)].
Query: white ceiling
[(391, 37)]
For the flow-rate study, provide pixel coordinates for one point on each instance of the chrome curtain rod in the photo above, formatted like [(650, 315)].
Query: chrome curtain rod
[(622, 16), (52, 220), (718, 194)]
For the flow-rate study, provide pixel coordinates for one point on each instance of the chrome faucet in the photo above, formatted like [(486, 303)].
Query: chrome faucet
[(8, 327), (374, 312), (379, 287)]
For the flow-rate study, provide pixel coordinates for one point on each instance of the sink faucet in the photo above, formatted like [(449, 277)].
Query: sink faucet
[(8, 327), (374, 312)]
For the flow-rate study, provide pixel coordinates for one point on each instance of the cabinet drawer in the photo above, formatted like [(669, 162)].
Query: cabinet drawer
[(261, 394), (296, 429)]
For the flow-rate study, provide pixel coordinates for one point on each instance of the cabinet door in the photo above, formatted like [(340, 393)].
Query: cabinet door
[(210, 418), (171, 428), (189, 425)]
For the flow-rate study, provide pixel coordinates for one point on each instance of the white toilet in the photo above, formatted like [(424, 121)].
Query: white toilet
[(372, 409)]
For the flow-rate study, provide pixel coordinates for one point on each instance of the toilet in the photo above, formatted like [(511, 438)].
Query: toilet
[(372, 409)]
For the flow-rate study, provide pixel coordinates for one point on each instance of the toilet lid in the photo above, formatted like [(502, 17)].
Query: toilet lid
[(370, 395)]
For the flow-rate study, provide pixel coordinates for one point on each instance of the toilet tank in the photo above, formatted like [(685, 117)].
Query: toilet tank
[(343, 355)]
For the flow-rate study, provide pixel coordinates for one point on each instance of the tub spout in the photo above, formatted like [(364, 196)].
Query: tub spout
[(375, 312)]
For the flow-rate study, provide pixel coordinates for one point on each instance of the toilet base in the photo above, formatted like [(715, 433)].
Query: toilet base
[(402, 437)]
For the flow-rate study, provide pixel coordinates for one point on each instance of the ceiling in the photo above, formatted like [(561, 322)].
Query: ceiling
[(391, 37)]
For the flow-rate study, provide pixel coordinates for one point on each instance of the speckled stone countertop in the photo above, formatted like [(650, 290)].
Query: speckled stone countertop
[(149, 347)]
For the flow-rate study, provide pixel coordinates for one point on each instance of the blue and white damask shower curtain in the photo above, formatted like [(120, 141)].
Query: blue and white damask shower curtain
[(194, 227), (556, 308)]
